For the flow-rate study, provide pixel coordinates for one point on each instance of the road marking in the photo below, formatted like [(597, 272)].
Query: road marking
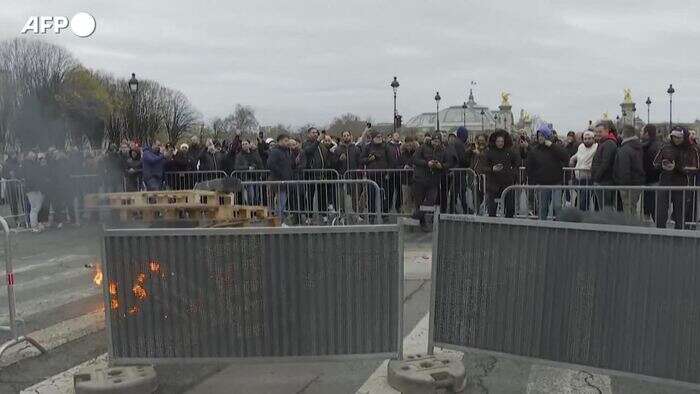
[(62, 383), (57, 299), (547, 379), (65, 275), (57, 335), (51, 262)]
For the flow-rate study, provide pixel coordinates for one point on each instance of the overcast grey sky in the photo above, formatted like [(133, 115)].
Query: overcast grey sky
[(307, 61)]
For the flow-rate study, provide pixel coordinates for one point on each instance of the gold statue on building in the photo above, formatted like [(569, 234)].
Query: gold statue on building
[(628, 95), (504, 98)]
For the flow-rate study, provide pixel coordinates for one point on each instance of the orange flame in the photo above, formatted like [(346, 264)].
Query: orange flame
[(97, 278), (134, 310), (139, 292), (141, 278), (112, 288), (154, 266), (113, 304)]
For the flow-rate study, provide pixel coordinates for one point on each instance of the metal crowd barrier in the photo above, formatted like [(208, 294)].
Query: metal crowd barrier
[(637, 204), (185, 180), (306, 202), (174, 295), (615, 297), (12, 327), (460, 185), (14, 202)]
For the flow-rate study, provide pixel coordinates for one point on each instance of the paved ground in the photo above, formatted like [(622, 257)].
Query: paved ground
[(60, 304)]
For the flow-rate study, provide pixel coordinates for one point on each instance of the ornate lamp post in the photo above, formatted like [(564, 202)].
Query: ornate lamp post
[(648, 103), (670, 92), (464, 115), (133, 89), (395, 86), (437, 113)]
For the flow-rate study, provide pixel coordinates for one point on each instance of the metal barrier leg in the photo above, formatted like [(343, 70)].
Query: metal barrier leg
[(12, 328)]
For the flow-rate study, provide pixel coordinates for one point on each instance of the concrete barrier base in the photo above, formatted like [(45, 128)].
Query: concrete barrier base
[(420, 373), (115, 380)]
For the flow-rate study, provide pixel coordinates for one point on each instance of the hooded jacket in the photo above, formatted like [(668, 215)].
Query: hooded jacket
[(683, 155), (281, 163), (545, 164), (153, 164), (604, 161), (628, 169), (496, 181)]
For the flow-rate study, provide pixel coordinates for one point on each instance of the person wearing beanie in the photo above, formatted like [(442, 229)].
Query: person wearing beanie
[(545, 166), (603, 162), (676, 160), (650, 146)]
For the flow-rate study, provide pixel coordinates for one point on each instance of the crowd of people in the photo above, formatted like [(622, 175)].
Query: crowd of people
[(411, 171)]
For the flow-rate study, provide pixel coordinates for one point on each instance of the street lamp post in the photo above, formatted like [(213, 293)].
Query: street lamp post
[(437, 113), (394, 85), (670, 92), (648, 102), (464, 115), (495, 122), (133, 89), (482, 122)]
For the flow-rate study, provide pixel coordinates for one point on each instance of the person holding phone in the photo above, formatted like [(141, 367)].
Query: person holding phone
[(676, 160)]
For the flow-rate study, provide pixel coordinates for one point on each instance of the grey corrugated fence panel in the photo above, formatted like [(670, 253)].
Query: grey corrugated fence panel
[(614, 297), (253, 293)]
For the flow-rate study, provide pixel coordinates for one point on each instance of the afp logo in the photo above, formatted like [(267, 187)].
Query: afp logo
[(82, 24)]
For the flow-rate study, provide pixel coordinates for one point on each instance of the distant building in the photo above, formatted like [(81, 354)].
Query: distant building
[(455, 116)]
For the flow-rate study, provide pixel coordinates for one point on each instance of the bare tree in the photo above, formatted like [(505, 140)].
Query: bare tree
[(179, 114), (220, 128), (242, 120), (347, 122), (34, 71)]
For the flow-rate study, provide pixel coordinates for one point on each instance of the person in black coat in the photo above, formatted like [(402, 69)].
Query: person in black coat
[(501, 169), (132, 171), (650, 146), (545, 164), (281, 163), (603, 162), (431, 163), (459, 181), (628, 169), (676, 160), (377, 158), (248, 159)]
